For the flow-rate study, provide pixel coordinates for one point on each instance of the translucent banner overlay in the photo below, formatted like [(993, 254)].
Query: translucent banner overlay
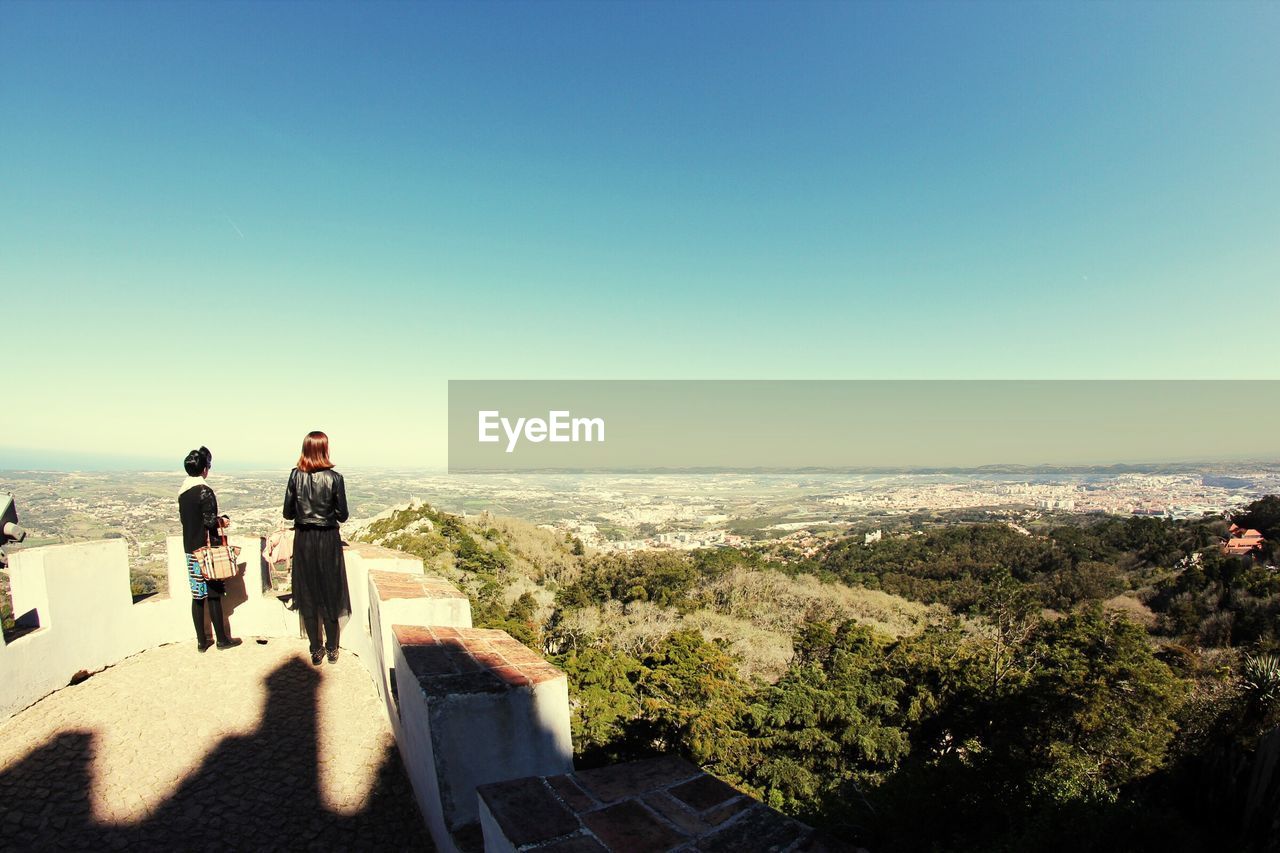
[(642, 425)]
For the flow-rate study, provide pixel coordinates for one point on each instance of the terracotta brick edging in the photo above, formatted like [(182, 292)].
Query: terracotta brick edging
[(451, 661), (657, 804)]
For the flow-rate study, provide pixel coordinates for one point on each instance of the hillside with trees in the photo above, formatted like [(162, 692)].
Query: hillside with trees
[(1087, 684)]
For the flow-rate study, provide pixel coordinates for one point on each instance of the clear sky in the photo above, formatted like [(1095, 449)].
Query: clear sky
[(231, 223)]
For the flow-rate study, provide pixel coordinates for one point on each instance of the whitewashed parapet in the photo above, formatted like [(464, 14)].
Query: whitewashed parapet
[(360, 635), (78, 596), (385, 559), (475, 707), (401, 598), (80, 614)]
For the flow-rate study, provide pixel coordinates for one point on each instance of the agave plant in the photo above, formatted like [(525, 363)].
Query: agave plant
[(1262, 678)]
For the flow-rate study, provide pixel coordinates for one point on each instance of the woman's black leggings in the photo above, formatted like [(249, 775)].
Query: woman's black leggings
[(312, 624), (215, 616)]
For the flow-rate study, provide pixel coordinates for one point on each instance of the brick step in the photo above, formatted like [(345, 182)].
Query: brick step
[(652, 805)]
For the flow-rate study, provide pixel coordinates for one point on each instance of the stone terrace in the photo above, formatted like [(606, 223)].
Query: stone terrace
[(248, 748)]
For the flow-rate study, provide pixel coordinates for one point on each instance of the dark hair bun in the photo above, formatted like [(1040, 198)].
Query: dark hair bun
[(197, 461)]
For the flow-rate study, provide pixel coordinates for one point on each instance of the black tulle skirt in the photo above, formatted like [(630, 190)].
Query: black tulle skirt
[(319, 573)]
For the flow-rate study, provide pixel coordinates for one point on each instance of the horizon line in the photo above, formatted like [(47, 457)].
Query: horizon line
[(994, 467)]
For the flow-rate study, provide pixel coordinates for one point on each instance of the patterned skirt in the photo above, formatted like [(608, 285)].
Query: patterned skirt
[(201, 588)]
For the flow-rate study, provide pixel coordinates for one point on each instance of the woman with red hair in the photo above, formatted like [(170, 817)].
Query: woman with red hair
[(316, 502)]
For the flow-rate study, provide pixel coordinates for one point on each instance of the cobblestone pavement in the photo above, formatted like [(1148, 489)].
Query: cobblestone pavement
[(251, 748)]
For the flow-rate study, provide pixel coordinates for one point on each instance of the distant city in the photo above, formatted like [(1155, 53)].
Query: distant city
[(627, 512)]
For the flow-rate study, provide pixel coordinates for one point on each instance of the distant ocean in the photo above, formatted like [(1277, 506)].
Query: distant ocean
[(22, 459)]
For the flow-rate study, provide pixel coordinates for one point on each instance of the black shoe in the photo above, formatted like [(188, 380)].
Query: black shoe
[(317, 656), (204, 646), (333, 656), (230, 644)]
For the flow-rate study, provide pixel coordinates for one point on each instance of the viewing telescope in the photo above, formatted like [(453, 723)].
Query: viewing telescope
[(9, 529)]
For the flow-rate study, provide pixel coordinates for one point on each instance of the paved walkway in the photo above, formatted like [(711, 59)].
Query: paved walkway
[(251, 748)]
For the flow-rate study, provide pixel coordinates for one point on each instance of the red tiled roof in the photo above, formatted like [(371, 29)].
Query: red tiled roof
[(1242, 542)]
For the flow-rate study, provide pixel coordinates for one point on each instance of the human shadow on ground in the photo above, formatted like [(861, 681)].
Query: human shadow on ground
[(259, 791)]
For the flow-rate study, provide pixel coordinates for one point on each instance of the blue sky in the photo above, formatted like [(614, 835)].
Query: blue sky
[(329, 210)]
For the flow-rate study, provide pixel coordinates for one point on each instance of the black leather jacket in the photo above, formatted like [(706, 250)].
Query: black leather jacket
[(315, 498)]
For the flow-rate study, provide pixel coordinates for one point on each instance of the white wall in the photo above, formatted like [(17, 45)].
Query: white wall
[(480, 738), (449, 744), (88, 620), (413, 737)]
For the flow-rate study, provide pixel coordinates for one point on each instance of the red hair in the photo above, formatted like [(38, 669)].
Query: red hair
[(315, 452)]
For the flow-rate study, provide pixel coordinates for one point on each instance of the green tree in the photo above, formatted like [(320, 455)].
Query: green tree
[(830, 725), (604, 703), (693, 701), (1085, 581), (665, 579), (1262, 690), (685, 697), (1099, 711), (1012, 613)]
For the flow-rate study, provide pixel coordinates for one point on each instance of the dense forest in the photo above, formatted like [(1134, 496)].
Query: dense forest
[(1089, 684)]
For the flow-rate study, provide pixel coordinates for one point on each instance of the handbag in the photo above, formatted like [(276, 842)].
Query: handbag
[(217, 562), (279, 545)]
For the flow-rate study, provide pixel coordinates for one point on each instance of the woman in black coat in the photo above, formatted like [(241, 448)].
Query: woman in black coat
[(316, 502)]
